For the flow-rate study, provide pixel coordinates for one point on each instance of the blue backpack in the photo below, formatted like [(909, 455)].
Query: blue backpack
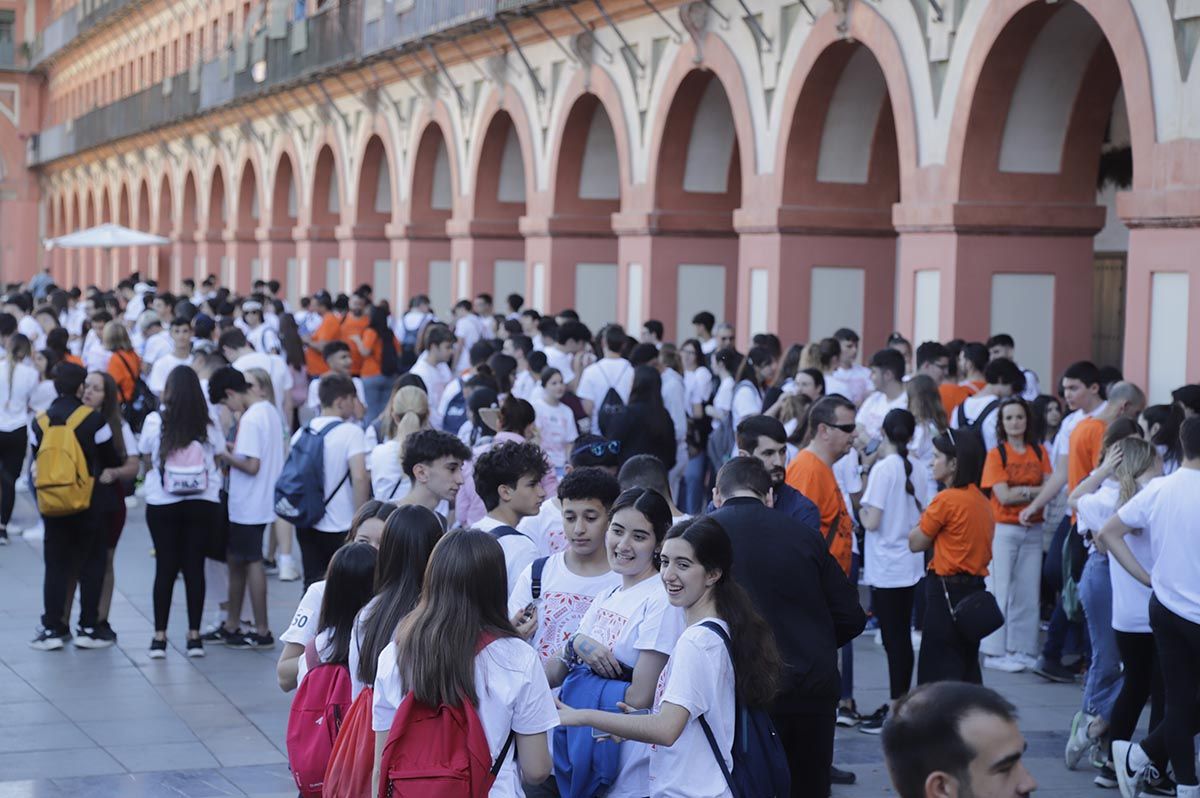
[(300, 489), (760, 768)]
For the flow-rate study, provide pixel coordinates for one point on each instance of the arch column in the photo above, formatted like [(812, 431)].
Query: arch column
[(475, 247), (241, 252), (276, 250), (210, 247), (316, 250), (359, 247), (554, 247), (416, 250), (184, 258)]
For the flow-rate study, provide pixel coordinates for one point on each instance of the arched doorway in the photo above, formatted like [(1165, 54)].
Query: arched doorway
[(162, 226), (277, 247), (364, 244), (423, 248), (241, 248), (145, 260), (318, 246), (121, 260), (188, 261)]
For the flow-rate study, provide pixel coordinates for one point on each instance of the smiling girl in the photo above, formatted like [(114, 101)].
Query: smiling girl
[(696, 570), (555, 421), (629, 631)]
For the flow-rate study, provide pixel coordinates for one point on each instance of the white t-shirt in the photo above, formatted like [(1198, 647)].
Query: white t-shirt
[(525, 386), (264, 339), (519, 549), (313, 400), (974, 405), (856, 380), (557, 431), (29, 327), (16, 393), (1167, 509), (875, 409), (513, 696), (724, 397), (698, 677), (389, 483), (920, 454), (615, 373), (355, 654), (709, 346), (557, 358), (340, 445), (436, 378), (469, 330), (747, 401), (156, 346), (303, 628), (259, 434), (157, 381), (281, 375), (1130, 598), (887, 561), (546, 528), (674, 400), (630, 621), (148, 444), (697, 386), (42, 397), (565, 598)]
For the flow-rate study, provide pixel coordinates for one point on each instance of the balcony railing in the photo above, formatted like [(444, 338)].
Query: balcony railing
[(77, 19), (339, 35)]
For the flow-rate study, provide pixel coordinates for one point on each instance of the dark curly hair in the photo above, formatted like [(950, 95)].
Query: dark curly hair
[(507, 464)]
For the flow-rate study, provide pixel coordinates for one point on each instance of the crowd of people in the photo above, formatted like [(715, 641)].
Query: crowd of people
[(603, 551)]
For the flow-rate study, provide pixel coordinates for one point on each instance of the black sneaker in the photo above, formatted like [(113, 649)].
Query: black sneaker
[(195, 647), (873, 723), (270, 566), (103, 626), (1054, 671), (3, 537), (220, 635), (158, 649), (94, 637), (251, 640), (1155, 783), (1106, 777), (847, 715), (49, 640), (839, 776)]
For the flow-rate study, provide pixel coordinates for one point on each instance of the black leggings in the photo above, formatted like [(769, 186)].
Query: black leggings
[(180, 533), (316, 550), (1178, 642), (945, 654), (1143, 681), (12, 457), (893, 609)]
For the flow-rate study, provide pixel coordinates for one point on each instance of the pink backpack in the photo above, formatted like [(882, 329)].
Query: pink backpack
[(185, 473), (318, 709)]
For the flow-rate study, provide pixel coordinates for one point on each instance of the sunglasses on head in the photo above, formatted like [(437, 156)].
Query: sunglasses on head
[(598, 449)]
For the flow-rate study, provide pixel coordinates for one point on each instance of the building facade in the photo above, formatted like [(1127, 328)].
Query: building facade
[(942, 169)]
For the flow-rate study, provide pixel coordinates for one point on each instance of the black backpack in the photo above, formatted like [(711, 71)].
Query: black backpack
[(611, 406), (535, 576), (408, 345), (456, 413), (976, 427), (140, 403)]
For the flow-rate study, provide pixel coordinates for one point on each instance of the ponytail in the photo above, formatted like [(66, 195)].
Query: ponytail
[(899, 426), (902, 450), (18, 350)]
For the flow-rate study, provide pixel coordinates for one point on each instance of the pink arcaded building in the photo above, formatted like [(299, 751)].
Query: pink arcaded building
[(939, 167)]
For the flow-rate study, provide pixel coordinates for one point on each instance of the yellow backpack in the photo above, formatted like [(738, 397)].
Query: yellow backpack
[(64, 483)]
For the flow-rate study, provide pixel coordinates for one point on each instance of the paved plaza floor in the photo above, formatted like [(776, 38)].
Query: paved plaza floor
[(115, 723)]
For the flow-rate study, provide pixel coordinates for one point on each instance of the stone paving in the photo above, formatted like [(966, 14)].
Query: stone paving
[(115, 723)]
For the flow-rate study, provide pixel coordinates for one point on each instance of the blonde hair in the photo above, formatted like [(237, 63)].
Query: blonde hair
[(116, 337), (262, 381), (409, 412), (1137, 457)]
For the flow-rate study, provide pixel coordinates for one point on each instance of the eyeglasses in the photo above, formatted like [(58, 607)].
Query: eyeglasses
[(598, 449), (849, 429)]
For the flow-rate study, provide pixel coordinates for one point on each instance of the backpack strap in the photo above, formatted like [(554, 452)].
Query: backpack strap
[(716, 629), (311, 658), (77, 417), (323, 433), (505, 530), (503, 753), (992, 405), (962, 416), (129, 370), (535, 573)]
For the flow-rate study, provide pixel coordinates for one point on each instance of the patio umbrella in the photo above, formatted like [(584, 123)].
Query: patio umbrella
[(106, 236)]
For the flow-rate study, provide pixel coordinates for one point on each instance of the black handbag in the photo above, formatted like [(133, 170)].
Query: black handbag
[(975, 616)]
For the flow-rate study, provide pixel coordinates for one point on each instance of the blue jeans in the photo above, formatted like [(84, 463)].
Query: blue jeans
[(1104, 678), (848, 649), (695, 497), (378, 390)]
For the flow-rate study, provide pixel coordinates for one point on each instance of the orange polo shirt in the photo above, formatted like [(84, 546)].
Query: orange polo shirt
[(811, 476), (954, 395), (1084, 452), (1024, 469), (351, 326), (328, 331), (960, 522)]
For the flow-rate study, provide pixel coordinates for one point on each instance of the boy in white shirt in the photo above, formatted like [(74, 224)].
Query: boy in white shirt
[(255, 461), (180, 355), (347, 486), (568, 580), (612, 372), (508, 479), (433, 367), (337, 356)]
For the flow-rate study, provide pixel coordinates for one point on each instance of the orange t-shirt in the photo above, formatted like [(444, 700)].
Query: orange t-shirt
[(372, 365), (125, 368), (1084, 453), (960, 522), (811, 476), (69, 358), (351, 326), (328, 331), (1023, 469), (954, 395)]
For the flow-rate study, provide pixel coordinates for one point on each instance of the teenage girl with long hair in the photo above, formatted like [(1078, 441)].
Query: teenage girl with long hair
[(725, 365), (409, 536), (459, 645), (925, 403), (123, 362), (407, 413), (17, 383), (891, 507), (181, 513), (702, 679), (380, 360), (643, 425), (1160, 423), (347, 590), (1014, 472), (753, 378), (293, 355)]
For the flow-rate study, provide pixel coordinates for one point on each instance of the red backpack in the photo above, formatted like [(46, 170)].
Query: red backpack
[(317, 712), (438, 752)]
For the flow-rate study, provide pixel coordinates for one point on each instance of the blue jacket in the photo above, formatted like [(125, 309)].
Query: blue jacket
[(793, 504), (584, 766)]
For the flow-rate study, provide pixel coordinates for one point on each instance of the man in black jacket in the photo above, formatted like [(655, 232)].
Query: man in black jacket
[(75, 543), (803, 594)]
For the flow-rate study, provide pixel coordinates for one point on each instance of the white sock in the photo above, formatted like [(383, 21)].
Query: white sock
[(1137, 758), (1187, 791), (285, 559)]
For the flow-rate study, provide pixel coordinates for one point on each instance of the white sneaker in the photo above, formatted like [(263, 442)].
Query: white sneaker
[(916, 638), (878, 637), (1005, 664), (1078, 743), (1026, 661), (36, 532), (288, 572), (1129, 762)]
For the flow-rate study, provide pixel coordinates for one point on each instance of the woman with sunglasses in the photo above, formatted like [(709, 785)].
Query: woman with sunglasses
[(957, 525)]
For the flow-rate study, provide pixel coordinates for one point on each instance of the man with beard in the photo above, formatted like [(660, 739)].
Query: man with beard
[(764, 438)]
